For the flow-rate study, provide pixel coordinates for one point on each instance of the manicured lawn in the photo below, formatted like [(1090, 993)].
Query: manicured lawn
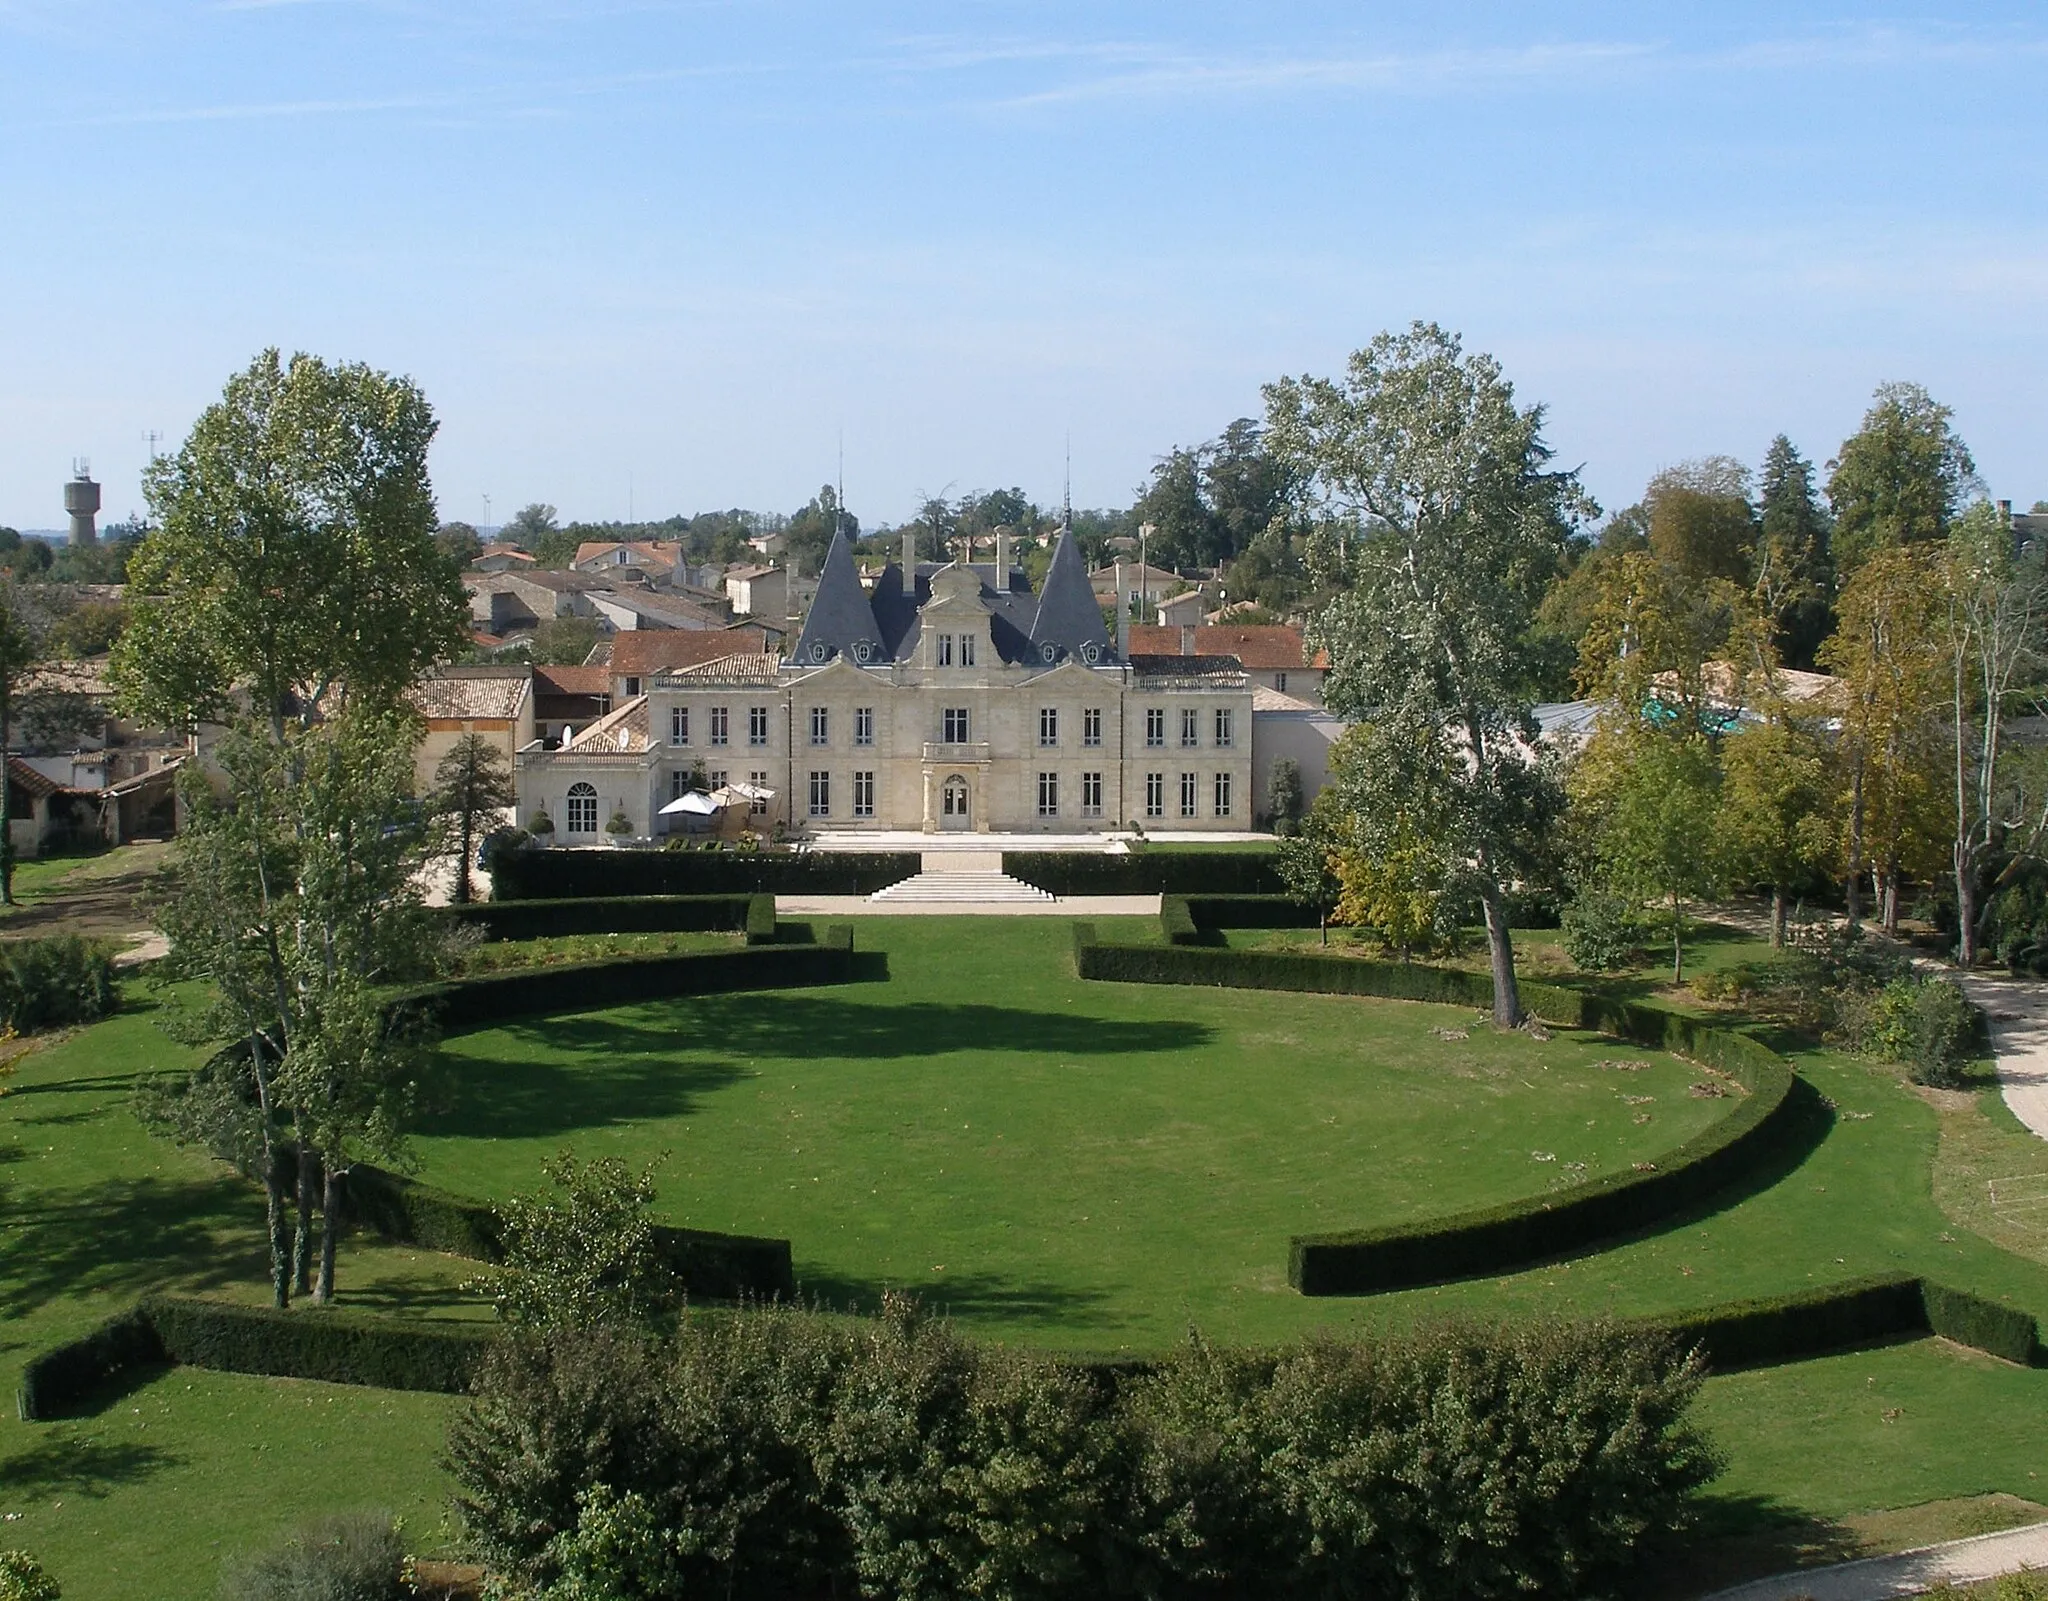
[(1084, 1165)]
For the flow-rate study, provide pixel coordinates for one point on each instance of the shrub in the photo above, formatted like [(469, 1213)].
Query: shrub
[(584, 1254), (1926, 1023), (353, 1556), (22, 1579), (619, 823), (1602, 932), (49, 983)]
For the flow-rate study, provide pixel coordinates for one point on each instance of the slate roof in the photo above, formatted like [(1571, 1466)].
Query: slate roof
[(1265, 648), (744, 668), (1068, 623), (1223, 672), (841, 621)]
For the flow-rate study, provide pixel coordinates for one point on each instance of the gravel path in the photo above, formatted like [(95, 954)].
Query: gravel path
[(1983, 1556), (2018, 1010)]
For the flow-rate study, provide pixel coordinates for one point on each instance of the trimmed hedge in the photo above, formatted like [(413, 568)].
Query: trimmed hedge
[(490, 998), (1218, 872), (1971, 1320), (1786, 1328), (318, 1343), (709, 1265), (1176, 922), (1491, 1239), (760, 922), (56, 1381), (1249, 911), (603, 914), (574, 874)]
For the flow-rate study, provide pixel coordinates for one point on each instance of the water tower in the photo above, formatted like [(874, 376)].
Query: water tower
[(82, 501)]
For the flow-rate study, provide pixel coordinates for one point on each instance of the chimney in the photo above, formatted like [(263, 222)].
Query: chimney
[(1123, 616), (1187, 639), (1002, 561), (2005, 512), (910, 561)]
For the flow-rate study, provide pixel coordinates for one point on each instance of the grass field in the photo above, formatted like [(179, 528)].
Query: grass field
[(1077, 1126), (1062, 1163)]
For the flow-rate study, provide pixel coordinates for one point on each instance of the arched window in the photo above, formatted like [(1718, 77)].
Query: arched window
[(582, 809)]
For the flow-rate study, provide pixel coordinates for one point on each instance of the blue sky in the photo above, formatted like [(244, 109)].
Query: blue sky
[(663, 256)]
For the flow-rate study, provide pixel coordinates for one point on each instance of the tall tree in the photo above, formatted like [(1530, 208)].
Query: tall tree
[(1900, 479), (1700, 520), (1183, 530), (1795, 577), (1776, 814), (1653, 798), (24, 621), (1887, 652), (293, 557), (472, 785), (1464, 524), (460, 543)]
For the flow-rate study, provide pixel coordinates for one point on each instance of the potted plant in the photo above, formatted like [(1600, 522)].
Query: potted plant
[(542, 828), (619, 827)]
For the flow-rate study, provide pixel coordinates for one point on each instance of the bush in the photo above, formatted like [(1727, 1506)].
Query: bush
[(558, 875), (1602, 932), (775, 1452), (353, 1556), (49, 983), (22, 1579)]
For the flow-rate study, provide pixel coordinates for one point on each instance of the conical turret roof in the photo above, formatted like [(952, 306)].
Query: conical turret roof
[(1069, 621), (840, 622)]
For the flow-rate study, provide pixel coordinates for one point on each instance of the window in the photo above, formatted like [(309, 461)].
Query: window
[(1280, 682), (719, 726), (632, 685), (716, 778), (821, 725), (1048, 725), (757, 807), (1155, 794), (1048, 794), (1222, 794), (1091, 794), (678, 782), (1188, 792), (863, 725), (679, 725), (582, 809), (942, 651), (1223, 728), (966, 650), (955, 721), (757, 725), (821, 794), (1190, 728), (1091, 726), (863, 794), (622, 558), (1155, 725)]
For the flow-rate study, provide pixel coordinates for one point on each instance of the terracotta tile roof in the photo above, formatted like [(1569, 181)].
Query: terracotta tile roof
[(504, 550), (1267, 648), (465, 693), (87, 676), (646, 651), (572, 680), (29, 782), (1272, 700), (624, 729), (656, 552)]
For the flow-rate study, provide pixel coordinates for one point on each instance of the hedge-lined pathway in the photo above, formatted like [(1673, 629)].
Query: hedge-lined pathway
[(1907, 1573), (2018, 1011)]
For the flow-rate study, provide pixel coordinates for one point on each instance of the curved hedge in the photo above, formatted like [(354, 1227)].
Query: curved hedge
[(1514, 1235), (526, 875), (604, 914), (490, 998)]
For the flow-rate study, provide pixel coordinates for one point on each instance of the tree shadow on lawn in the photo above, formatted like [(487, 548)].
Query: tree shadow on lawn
[(64, 1462), (966, 1296), (125, 1236), (604, 1069), (1738, 1538)]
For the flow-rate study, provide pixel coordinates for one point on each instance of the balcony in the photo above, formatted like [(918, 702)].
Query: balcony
[(941, 754)]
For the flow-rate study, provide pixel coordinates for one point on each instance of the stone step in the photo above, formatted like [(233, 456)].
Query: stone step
[(960, 888)]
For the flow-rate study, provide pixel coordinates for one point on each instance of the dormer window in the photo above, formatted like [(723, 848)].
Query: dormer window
[(966, 650), (942, 651)]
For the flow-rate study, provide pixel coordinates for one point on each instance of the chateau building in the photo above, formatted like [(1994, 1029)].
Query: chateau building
[(947, 697)]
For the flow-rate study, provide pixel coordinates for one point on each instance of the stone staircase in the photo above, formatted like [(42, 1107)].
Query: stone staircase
[(961, 878)]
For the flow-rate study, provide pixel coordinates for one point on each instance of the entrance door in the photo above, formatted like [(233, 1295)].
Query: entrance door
[(953, 804)]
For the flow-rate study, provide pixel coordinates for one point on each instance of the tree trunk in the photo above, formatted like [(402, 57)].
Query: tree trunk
[(462, 890), (277, 1216), (1777, 917), (302, 1245), (1966, 909), (1500, 949), (333, 1199), (1855, 884), (1323, 923), (1888, 902)]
